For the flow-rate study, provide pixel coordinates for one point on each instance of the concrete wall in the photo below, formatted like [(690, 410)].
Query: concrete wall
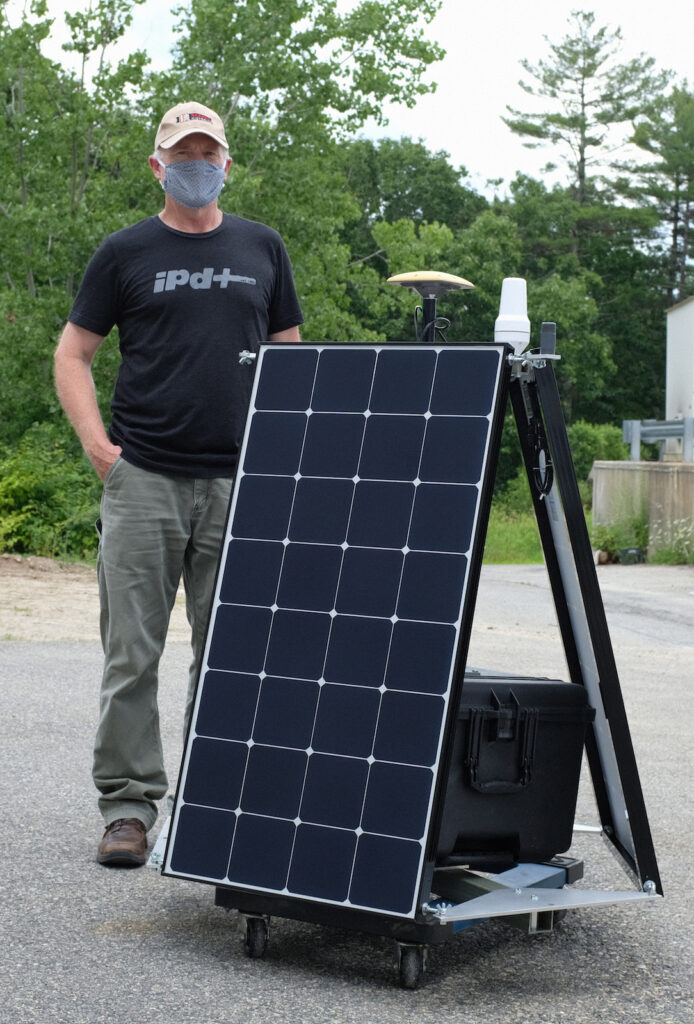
[(661, 492)]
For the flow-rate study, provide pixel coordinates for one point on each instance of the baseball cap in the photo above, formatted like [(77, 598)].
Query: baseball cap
[(185, 119)]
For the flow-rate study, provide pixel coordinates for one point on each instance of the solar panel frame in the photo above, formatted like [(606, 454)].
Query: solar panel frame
[(271, 827)]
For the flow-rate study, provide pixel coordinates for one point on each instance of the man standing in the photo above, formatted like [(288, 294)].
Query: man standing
[(192, 291)]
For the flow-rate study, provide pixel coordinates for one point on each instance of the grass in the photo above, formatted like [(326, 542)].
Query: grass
[(677, 546), (512, 539)]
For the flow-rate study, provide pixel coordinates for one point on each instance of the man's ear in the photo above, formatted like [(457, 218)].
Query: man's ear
[(157, 169)]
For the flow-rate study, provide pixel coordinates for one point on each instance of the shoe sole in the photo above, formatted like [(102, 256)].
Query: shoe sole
[(121, 859)]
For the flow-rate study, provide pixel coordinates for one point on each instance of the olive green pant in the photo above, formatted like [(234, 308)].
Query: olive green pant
[(154, 529)]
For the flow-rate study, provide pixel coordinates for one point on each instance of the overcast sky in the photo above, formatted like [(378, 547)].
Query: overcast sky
[(480, 73), (479, 76)]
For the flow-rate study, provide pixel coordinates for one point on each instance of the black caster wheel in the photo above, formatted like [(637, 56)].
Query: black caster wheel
[(411, 966), (256, 937)]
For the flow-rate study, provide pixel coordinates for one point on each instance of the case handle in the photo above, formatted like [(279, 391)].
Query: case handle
[(526, 724)]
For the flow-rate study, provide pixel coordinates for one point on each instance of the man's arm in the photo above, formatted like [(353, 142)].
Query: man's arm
[(75, 386), (291, 334)]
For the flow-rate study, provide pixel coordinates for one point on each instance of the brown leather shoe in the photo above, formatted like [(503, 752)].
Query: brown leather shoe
[(124, 844)]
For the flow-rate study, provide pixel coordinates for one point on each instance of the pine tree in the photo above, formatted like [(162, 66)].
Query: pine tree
[(591, 93), (666, 181)]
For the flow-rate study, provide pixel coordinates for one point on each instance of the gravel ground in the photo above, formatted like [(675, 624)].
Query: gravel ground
[(84, 944)]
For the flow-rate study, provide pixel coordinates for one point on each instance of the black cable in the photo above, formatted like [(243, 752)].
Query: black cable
[(440, 324), (543, 475), (418, 317)]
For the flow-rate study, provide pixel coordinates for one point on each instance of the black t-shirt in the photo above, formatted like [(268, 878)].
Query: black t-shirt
[(186, 307)]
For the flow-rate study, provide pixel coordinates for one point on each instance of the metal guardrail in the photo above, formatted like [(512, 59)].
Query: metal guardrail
[(653, 431)]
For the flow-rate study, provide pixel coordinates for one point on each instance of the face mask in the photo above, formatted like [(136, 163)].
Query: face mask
[(193, 183)]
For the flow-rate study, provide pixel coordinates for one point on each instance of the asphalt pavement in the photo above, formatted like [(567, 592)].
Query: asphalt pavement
[(83, 944)]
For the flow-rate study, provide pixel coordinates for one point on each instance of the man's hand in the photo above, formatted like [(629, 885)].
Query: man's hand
[(73, 378), (103, 458)]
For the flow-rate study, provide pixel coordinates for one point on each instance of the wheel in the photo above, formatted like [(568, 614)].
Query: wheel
[(411, 966), (256, 937)]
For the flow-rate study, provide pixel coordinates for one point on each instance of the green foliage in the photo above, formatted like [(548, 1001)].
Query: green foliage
[(622, 535), (611, 324), (590, 442), (395, 180), (510, 458), (298, 69), (49, 496), (587, 441), (512, 538), (586, 363), (664, 131), (630, 293), (515, 498), (546, 222), (28, 329), (666, 544), (68, 179), (675, 549)]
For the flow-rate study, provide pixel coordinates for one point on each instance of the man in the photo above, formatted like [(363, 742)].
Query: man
[(193, 292)]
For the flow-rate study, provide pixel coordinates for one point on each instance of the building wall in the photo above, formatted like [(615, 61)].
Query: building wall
[(679, 387)]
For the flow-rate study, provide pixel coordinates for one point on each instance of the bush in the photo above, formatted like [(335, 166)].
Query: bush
[(631, 532), (49, 496), (674, 546), (590, 442), (515, 499)]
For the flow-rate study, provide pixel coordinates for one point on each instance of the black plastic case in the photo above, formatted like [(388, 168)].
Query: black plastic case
[(513, 782)]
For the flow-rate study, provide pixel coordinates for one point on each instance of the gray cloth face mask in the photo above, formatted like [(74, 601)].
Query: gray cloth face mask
[(193, 183)]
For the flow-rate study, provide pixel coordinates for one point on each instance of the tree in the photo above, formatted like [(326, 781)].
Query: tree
[(398, 247), (546, 220), (291, 69), (591, 94), (66, 182), (397, 179), (629, 292), (586, 353), (665, 131), (621, 276)]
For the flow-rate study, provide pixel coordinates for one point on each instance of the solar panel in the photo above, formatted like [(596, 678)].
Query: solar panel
[(321, 710)]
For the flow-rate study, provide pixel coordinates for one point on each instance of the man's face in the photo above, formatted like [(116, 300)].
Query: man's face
[(193, 147)]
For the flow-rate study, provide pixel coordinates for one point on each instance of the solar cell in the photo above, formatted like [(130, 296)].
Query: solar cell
[(323, 698)]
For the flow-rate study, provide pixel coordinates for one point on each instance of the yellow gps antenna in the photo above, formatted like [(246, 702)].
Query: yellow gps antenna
[(430, 284)]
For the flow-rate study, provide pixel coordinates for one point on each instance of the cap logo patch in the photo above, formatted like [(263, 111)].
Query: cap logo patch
[(180, 118)]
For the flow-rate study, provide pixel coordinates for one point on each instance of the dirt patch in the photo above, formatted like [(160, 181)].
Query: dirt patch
[(35, 568), (44, 599)]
